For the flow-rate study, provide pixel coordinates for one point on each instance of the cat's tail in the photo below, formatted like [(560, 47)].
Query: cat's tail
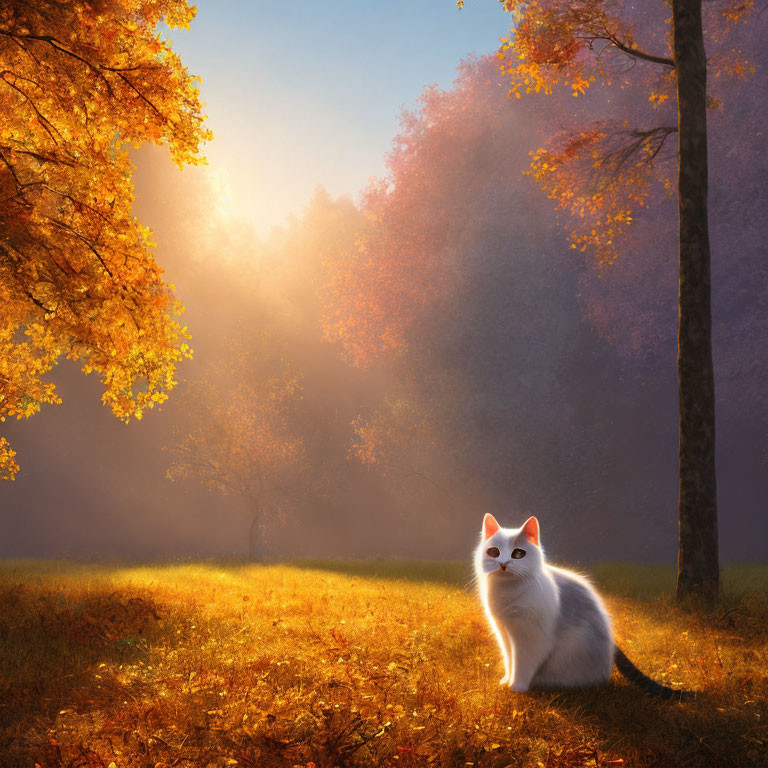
[(635, 676)]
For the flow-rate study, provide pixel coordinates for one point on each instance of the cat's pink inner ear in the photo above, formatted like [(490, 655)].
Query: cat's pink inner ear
[(490, 526), (531, 530)]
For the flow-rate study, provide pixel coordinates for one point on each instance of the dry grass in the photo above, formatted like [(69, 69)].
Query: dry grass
[(352, 664)]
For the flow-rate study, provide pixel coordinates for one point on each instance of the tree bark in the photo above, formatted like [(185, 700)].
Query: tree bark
[(698, 569), (255, 550)]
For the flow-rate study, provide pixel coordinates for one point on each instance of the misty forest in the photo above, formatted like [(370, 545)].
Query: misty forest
[(314, 318)]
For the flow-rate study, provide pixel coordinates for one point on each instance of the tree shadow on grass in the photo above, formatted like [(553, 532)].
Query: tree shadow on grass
[(51, 646)]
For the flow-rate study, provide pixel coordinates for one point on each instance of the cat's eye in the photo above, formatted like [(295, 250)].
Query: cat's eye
[(518, 553), (492, 552)]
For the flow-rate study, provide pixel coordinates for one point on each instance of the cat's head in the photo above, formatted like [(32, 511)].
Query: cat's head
[(509, 552)]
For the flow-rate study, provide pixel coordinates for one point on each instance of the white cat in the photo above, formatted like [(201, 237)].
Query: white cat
[(552, 626)]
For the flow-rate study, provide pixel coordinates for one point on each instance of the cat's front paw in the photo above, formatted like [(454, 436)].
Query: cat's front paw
[(504, 680), (517, 686)]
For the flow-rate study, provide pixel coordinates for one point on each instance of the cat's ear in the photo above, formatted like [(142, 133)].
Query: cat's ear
[(490, 526), (531, 530)]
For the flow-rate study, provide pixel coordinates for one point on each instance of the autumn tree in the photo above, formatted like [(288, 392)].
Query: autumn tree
[(394, 272), (241, 436), (398, 440), (445, 290), (602, 172), (82, 82)]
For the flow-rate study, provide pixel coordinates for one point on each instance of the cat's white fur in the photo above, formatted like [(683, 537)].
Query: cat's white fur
[(552, 626)]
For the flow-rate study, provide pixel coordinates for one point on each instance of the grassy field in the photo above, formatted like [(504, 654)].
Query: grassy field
[(319, 664)]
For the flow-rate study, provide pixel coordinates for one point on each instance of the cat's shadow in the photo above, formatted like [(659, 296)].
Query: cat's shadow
[(640, 729)]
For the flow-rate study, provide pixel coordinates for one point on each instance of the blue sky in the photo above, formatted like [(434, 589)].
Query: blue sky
[(304, 92)]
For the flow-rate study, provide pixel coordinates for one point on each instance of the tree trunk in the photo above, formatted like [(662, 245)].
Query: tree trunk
[(697, 569), (255, 548)]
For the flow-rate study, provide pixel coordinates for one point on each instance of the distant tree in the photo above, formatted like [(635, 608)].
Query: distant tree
[(397, 440), (443, 291), (240, 437), (602, 172), (383, 284), (81, 83)]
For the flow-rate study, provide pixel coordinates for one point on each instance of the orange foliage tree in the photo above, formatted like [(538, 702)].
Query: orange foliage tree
[(397, 441), (242, 438), (381, 286), (377, 289), (409, 264), (602, 173), (81, 83)]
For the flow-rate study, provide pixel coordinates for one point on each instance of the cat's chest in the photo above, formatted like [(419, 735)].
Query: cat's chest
[(509, 601)]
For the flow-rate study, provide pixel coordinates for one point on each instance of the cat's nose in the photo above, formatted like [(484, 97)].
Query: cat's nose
[(503, 566)]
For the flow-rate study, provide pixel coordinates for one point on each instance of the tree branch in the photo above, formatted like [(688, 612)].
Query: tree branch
[(601, 32), (640, 54)]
